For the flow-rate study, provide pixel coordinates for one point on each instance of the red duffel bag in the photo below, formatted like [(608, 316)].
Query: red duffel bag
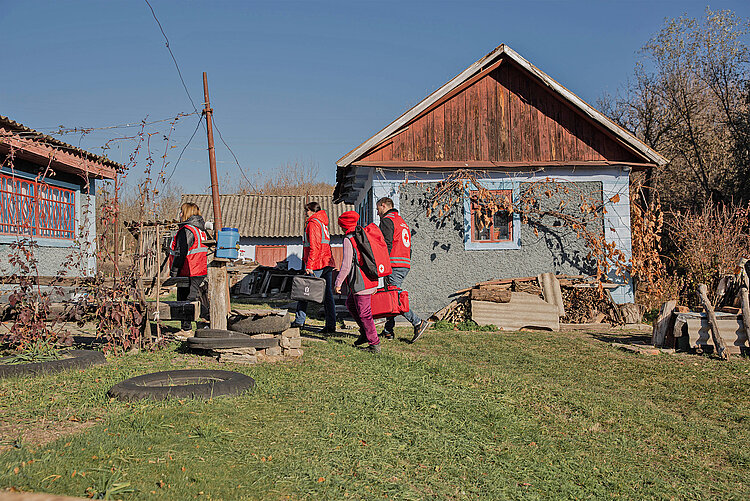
[(389, 302)]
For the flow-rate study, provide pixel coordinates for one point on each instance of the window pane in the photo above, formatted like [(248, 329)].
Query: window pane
[(500, 223), (481, 226)]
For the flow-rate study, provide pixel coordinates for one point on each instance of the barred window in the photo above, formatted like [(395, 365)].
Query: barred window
[(36, 209)]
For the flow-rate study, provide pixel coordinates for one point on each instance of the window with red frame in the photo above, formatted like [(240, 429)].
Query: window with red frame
[(489, 224), (36, 209)]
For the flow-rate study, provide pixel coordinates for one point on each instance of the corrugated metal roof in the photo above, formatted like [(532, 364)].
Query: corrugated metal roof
[(268, 216), (28, 133)]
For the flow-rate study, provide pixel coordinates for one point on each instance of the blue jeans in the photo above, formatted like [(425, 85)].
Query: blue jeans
[(396, 278), (328, 302)]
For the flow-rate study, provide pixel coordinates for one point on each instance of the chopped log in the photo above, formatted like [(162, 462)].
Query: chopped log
[(631, 313), (615, 307), (551, 291), (491, 294), (661, 326), (715, 333)]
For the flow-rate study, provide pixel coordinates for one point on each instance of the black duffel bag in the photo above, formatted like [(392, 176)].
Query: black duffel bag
[(308, 288)]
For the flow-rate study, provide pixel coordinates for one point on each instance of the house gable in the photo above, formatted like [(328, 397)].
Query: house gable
[(504, 117)]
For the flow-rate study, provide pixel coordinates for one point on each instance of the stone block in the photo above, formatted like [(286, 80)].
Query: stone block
[(290, 343), (235, 351), (291, 332), (238, 359), (262, 336), (294, 352), (273, 351)]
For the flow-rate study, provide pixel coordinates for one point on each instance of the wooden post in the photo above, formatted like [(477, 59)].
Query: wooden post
[(157, 289), (719, 345), (116, 229), (218, 285), (217, 294), (211, 155)]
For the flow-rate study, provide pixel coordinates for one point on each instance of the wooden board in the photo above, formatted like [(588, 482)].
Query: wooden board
[(663, 323), (175, 310)]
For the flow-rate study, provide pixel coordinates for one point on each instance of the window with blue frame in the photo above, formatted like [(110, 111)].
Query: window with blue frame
[(36, 209), (490, 222)]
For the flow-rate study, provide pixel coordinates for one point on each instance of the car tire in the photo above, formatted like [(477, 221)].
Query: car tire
[(189, 383), (210, 343), (74, 359), (268, 324)]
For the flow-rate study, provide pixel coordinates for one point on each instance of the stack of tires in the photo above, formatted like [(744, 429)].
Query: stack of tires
[(242, 333)]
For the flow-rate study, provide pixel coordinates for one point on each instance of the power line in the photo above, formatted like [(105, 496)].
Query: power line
[(197, 126), (173, 58), (235, 156), (59, 131)]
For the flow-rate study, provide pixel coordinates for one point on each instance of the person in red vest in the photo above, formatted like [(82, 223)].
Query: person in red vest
[(361, 288), (188, 258), (398, 239), (318, 261)]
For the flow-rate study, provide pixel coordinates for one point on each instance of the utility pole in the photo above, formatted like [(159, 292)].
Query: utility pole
[(218, 285), (211, 154)]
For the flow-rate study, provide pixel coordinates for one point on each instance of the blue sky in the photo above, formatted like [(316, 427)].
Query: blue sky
[(292, 81)]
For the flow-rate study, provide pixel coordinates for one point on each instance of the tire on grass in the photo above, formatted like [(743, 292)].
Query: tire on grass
[(267, 324), (210, 343), (74, 359), (189, 383)]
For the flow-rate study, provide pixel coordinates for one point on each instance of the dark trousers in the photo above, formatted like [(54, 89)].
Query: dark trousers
[(329, 302), (197, 291), (396, 278)]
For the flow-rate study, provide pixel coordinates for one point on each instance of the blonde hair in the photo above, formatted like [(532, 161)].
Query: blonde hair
[(189, 209)]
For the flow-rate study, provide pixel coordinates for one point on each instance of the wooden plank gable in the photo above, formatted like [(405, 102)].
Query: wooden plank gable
[(506, 116)]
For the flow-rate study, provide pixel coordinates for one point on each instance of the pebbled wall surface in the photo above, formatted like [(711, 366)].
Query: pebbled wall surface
[(441, 265)]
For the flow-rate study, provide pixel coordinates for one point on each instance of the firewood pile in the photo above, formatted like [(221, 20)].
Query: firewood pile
[(721, 327), (578, 299)]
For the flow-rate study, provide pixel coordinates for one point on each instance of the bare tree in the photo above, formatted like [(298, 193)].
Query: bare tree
[(689, 100), (292, 178)]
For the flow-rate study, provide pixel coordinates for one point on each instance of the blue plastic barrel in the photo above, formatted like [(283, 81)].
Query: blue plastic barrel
[(228, 243)]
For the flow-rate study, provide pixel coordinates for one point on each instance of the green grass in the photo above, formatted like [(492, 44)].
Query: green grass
[(454, 416)]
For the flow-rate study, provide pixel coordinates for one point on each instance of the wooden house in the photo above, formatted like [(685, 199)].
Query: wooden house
[(511, 124), (48, 195)]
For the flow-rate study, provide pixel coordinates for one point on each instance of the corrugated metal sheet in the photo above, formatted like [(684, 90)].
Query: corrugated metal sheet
[(268, 216), (28, 133), (523, 310), (699, 332)]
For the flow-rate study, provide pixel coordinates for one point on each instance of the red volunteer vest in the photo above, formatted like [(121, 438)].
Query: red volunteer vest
[(401, 249), (196, 261), (325, 256)]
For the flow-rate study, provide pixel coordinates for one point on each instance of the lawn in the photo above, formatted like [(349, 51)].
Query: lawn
[(455, 416)]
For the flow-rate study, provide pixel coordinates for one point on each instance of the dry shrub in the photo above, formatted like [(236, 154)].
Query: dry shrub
[(646, 226), (708, 244)]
